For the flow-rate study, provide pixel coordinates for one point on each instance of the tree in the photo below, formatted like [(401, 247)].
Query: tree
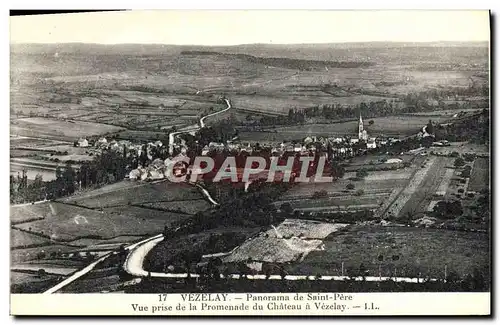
[(452, 277), (338, 171), (466, 172), (362, 173), (359, 192), (370, 122), (409, 218), (459, 162), (447, 209), (286, 208), (320, 194), (363, 270), (429, 127), (350, 186), (469, 157)]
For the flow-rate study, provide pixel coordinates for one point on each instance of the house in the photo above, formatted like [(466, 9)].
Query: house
[(216, 146), (101, 141), (168, 162), (135, 174), (155, 174), (247, 149), (371, 145), (113, 145), (82, 142), (276, 151), (233, 146), (308, 140), (157, 163)]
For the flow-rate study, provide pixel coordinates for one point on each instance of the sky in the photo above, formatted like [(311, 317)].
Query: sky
[(225, 27)]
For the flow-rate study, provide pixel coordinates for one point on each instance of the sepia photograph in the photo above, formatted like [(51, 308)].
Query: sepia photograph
[(264, 154)]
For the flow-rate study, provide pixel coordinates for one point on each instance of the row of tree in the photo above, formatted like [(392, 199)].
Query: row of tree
[(108, 167), (424, 101)]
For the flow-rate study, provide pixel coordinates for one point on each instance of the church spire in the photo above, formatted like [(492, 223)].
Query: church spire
[(361, 132)]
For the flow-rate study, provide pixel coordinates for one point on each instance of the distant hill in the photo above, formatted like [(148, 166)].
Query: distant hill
[(356, 53), (287, 63)]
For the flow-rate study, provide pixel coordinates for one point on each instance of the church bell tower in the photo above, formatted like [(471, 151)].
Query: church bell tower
[(360, 127)]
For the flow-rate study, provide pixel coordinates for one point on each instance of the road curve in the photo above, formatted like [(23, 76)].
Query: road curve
[(202, 120), (171, 136), (134, 261), (92, 265)]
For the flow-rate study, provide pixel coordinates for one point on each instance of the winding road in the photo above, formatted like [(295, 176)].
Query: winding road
[(133, 262), (201, 124)]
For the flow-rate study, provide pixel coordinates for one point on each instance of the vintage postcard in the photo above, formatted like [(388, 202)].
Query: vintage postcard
[(257, 163)]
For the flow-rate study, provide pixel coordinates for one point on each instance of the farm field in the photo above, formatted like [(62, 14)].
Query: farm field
[(445, 182), (72, 158), (30, 254), (31, 282), (462, 148), (29, 212), (97, 284), (146, 214), (338, 187), (51, 128), (47, 267), (84, 242), (347, 202), (67, 222), (393, 125), (36, 162), (280, 105), (383, 126), (69, 148), (419, 251), (141, 135), (20, 153), (29, 142), (135, 194), (189, 207), (410, 197), (377, 159), (444, 112), (480, 177), (22, 239)]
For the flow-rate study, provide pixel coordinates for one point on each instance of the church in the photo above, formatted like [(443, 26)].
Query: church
[(362, 135)]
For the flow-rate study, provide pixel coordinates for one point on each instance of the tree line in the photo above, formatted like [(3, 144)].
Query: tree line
[(424, 101), (108, 167)]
